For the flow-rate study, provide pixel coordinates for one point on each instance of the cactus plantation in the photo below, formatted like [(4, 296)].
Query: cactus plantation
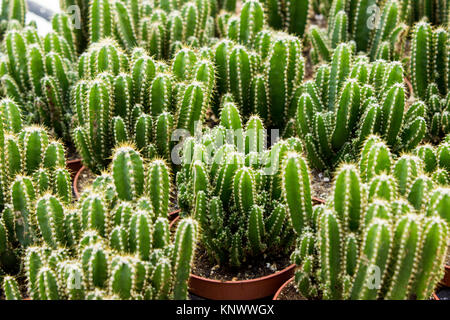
[(205, 129)]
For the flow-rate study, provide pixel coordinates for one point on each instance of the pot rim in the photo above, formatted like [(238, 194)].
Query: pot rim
[(75, 182), (239, 282), (277, 294)]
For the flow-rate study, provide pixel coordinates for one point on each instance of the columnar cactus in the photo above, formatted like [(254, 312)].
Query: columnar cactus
[(350, 99), (380, 35), (429, 76), (158, 26), (291, 16), (435, 12), (12, 15), (117, 103), (117, 247), (33, 166), (263, 81), (230, 183), (362, 245), (38, 76)]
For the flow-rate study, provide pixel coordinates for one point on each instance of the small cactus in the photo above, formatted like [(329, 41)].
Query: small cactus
[(230, 181), (351, 99), (360, 232)]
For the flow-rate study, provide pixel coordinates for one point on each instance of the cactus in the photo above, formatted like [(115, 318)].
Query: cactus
[(39, 76), (231, 184), (364, 246), (435, 12), (105, 247), (267, 86), (120, 103), (380, 35), (292, 16), (429, 69), (12, 15), (351, 99)]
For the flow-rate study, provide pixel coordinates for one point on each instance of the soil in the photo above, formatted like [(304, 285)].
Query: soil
[(85, 180), (443, 293), (203, 267), (72, 155), (290, 293), (321, 185)]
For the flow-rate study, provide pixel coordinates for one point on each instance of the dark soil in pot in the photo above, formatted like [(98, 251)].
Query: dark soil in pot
[(290, 293), (443, 293), (257, 268), (321, 185), (85, 179)]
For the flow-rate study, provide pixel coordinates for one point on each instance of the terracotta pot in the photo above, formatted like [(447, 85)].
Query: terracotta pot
[(75, 182), (277, 294), (410, 88), (238, 290), (74, 166), (318, 200), (446, 280), (174, 215)]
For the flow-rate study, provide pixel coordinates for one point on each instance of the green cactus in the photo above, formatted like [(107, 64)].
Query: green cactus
[(365, 244), (379, 34), (136, 103), (435, 12), (351, 99), (230, 181), (118, 246), (39, 76)]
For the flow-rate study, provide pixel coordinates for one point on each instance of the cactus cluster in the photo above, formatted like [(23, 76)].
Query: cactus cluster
[(379, 34), (37, 72), (436, 160), (161, 27), (289, 15), (137, 99), (230, 182), (263, 80), (434, 11), (115, 243), (350, 99), (32, 165), (12, 15), (429, 75), (380, 235)]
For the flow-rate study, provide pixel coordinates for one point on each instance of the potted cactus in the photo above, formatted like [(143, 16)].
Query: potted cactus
[(429, 69), (231, 184), (137, 99), (381, 37), (350, 99), (114, 243), (32, 164), (380, 235)]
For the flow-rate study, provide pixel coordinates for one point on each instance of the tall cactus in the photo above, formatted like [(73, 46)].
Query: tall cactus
[(351, 99), (365, 248), (230, 181), (375, 27), (135, 103), (115, 245)]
